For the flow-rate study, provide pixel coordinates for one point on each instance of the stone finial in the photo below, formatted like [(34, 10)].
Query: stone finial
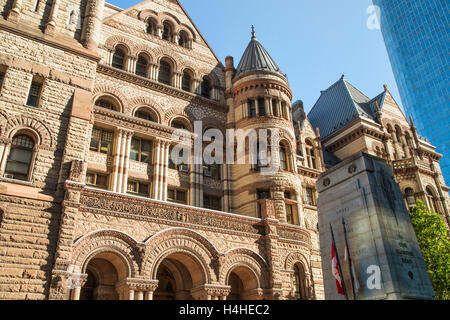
[(385, 86), (343, 77), (253, 32)]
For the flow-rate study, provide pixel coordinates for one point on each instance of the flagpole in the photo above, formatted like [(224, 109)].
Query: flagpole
[(349, 259), (339, 263)]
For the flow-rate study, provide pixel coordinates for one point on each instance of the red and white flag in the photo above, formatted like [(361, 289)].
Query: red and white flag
[(336, 270)]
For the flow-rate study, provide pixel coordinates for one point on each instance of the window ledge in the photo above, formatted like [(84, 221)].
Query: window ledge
[(17, 181)]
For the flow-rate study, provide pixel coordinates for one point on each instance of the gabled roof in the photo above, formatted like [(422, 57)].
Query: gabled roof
[(340, 105), (124, 11), (256, 58)]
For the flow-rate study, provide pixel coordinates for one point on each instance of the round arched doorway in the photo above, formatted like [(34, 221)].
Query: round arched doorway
[(243, 283), (177, 275), (104, 271)]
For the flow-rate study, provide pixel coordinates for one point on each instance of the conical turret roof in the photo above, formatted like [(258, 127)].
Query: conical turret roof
[(256, 58)]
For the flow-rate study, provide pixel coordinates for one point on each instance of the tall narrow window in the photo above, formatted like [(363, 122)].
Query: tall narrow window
[(165, 73), (20, 157), (432, 200), (275, 107), (311, 155), (251, 108), (183, 40), (261, 195), (310, 197), (298, 283), (206, 88), (34, 94), (140, 150), (284, 160), (118, 60), (101, 140), (261, 107), (167, 32), (142, 66), (410, 198), (151, 27), (186, 82)]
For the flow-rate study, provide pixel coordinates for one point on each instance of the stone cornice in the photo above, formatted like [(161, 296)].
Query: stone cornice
[(117, 119), (162, 88), (111, 204)]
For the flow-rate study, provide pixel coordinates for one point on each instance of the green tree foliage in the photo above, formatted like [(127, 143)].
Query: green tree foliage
[(434, 242)]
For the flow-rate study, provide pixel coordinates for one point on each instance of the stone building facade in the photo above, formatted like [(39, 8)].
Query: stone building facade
[(92, 205)]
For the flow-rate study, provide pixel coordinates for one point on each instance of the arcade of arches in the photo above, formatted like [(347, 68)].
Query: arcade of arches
[(180, 275)]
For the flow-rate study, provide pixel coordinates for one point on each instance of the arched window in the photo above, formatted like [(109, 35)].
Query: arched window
[(410, 199), (20, 157), (299, 283), (183, 39), (151, 27), (311, 155), (118, 60), (398, 134), (144, 114), (284, 158), (142, 66), (179, 124), (432, 200), (165, 72), (251, 108), (167, 32), (206, 88), (186, 82), (106, 104)]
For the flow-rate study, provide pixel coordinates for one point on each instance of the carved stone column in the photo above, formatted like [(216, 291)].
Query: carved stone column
[(210, 292), (156, 171), (50, 28), (14, 13), (62, 272), (136, 289), (272, 250), (5, 147), (77, 282)]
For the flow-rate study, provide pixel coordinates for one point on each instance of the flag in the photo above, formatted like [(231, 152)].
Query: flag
[(336, 270), (348, 258)]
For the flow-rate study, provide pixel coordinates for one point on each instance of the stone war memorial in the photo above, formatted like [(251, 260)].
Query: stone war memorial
[(362, 193)]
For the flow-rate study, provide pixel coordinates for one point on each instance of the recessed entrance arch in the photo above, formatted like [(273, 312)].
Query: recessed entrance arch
[(178, 273), (104, 271), (244, 284)]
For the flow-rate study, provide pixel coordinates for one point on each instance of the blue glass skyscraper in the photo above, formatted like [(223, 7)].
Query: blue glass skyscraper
[(417, 37)]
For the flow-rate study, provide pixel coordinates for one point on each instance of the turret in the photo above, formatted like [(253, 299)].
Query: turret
[(261, 99)]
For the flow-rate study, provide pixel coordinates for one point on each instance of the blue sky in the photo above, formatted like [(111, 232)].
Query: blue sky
[(313, 41)]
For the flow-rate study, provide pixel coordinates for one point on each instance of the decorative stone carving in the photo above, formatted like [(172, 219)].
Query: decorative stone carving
[(77, 170)]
